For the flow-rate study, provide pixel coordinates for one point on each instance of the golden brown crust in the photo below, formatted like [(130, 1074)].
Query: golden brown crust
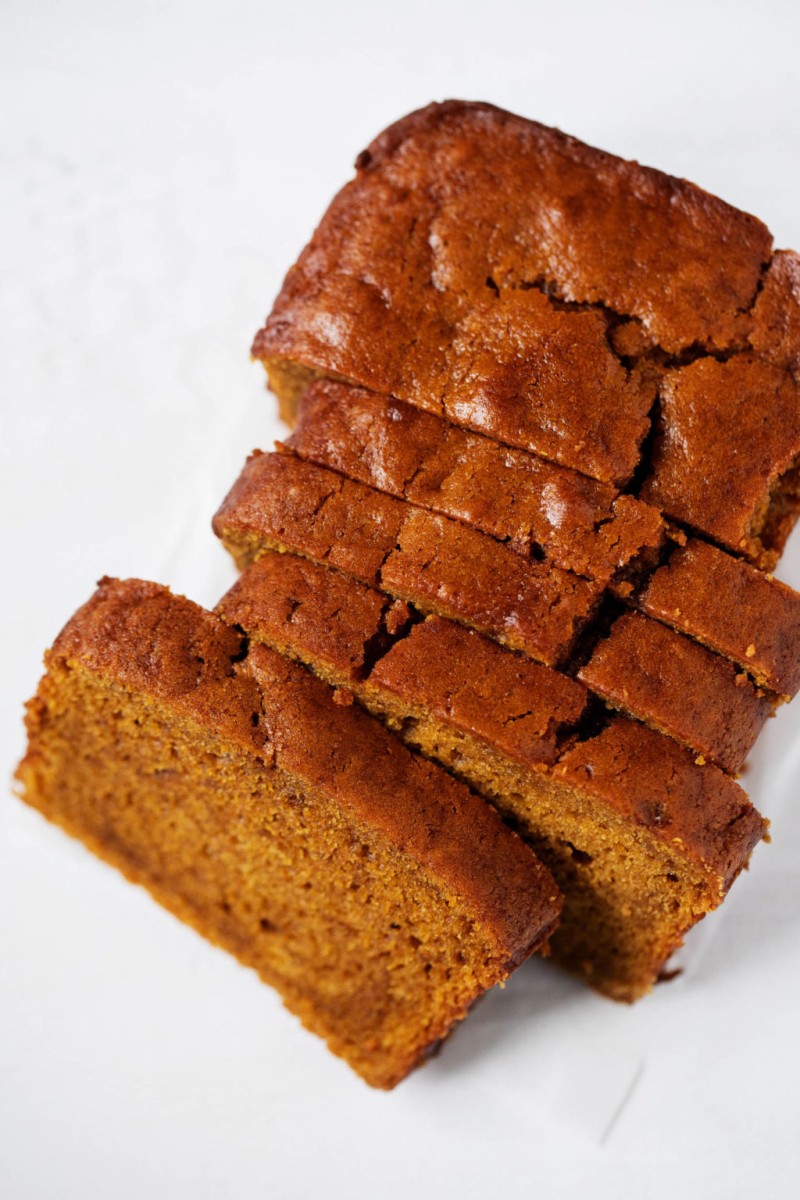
[(657, 784), (733, 609), (522, 708), (476, 267), (281, 502), (343, 630), (776, 316), (453, 571), (728, 432), (334, 620), (613, 224), (150, 641), (141, 636), (538, 507), (679, 687)]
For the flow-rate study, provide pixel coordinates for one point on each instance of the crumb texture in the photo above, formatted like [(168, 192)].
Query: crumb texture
[(373, 890)]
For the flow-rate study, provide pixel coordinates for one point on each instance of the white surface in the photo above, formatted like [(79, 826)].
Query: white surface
[(162, 164)]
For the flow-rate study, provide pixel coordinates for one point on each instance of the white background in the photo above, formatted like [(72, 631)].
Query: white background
[(162, 164)]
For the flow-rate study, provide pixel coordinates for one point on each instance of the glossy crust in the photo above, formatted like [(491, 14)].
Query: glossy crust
[(776, 317), (679, 687), (537, 506), (478, 263), (446, 568), (519, 707), (442, 566), (729, 431), (150, 641), (732, 608), (656, 783)]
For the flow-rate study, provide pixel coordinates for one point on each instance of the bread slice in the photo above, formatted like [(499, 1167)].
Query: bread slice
[(733, 608), (649, 671), (376, 893), (442, 566), (642, 840), (446, 568), (561, 300), (540, 509)]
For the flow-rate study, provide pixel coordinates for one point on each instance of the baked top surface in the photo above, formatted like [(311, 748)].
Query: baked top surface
[(351, 634), (535, 505), (671, 682), (445, 567), (726, 433), (478, 259), (737, 610), (677, 673)]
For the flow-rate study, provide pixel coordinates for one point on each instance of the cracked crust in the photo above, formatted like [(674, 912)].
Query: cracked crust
[(677, 686), (453, 571), (281, 502), (776, 316), (686, 690), (539, 508), (729, 606), (480, 266), (344, 631), (725, 457)]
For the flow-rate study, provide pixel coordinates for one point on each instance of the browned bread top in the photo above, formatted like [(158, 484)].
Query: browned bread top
[(776, 316), (345, 630), (537, 506), (676, 685), (332, 619), (444, 567), (727, 434), (656, 783), (140, 635), (481, 266), (525, 711), (733, 608)]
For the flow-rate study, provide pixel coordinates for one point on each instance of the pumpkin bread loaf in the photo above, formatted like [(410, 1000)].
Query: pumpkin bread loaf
[(523, 285), (505, 276), (546, 445), (374, 891), (642, 839)]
